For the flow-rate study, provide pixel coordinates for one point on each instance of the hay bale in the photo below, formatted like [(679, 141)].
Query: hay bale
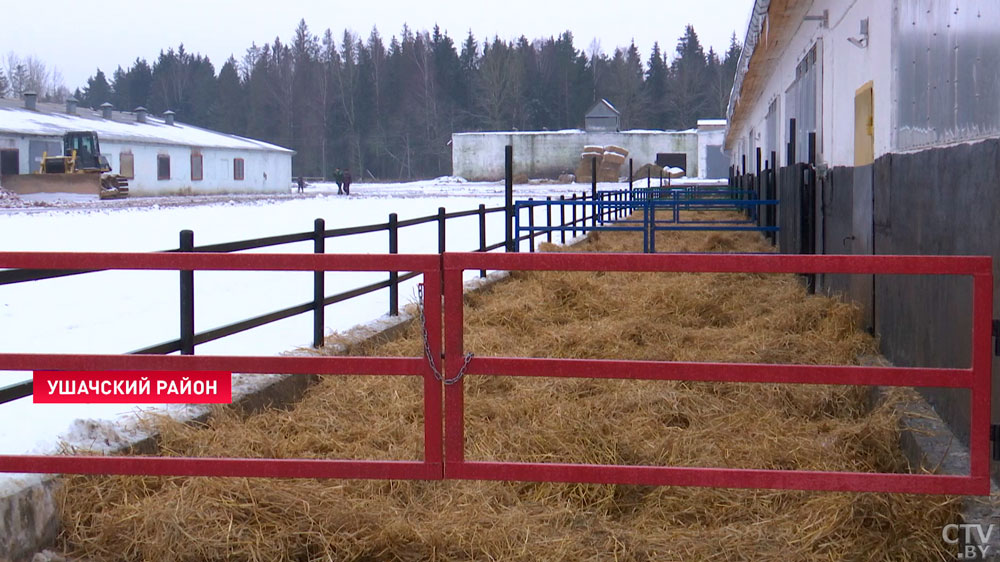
[(593, 148), (616, 149), (521, 177), (566, 178), (652, 169), (613, 158), (591, 155)]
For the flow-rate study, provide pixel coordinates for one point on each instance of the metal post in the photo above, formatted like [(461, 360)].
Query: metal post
[(509, 196), (393, 275), (562, 221), (482, 234), (630, 175), (319, 288), (574, 216), (593, 176), (441, 220), (791, 141), (772, 194), (809, 204), (187, 297), (548, 219), (531, 224)]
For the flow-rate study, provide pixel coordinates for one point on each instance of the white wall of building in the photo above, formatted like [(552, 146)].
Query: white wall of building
[(480, 156), (263, 171), (845, 68)]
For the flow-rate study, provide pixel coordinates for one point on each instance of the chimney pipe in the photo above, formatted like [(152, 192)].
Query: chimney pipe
[(168, 117), (106, 108), (140, 114), (71, 106), (30, 98)]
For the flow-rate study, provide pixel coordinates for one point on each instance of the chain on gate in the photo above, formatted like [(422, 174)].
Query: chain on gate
[(427, 345)]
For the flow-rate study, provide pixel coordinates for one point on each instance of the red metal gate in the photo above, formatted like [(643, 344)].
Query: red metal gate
[(428, 469), (976, 378), (449, 461)]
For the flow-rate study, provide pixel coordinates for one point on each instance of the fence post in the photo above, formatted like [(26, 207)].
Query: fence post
[(562, 221), (531, 225), (548, 219), (393, 275), (574, 215), (187, 297), (772, 194), (482, 234), (630, 175), (509, 196), (319, 286), (441, 221)]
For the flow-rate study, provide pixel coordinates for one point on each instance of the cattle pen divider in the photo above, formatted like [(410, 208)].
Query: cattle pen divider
[(444, 412)]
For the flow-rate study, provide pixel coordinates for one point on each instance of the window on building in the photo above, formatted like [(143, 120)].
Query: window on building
[(237, 168), (197, 170), (163, 167), (126, 166)]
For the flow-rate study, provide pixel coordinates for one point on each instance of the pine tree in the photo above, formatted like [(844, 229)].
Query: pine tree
[(98, 91), (3, 84), (687, 97)]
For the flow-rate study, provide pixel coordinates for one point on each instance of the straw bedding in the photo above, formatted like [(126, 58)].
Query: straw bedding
[(705, 317)]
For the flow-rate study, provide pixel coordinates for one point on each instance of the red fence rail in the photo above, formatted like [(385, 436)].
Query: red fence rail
[(444, 440), (430, 468), (976, 378)]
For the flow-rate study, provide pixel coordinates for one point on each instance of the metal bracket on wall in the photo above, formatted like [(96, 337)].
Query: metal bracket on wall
[(996, 337)]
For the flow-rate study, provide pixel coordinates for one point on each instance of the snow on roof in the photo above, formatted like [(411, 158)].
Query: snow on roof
[(606, 104), (711, 122), (51, 120)]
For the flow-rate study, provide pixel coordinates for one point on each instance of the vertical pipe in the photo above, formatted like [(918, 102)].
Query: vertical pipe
[(772, 194), (574, 215), (509, 196), (562, 221), (791, 141), (593, 176), (630, 174), (187, 297), (441, 221), (531, 225), (393, 275), (548, 219), (482, 234), (319, 288)]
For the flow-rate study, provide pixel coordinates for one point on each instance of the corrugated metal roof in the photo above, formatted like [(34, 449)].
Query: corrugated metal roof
[(52, 120)]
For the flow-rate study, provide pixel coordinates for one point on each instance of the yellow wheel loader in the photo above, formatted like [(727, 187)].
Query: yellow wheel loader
[(83, 168)]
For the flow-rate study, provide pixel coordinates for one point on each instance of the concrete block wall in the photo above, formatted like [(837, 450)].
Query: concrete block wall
[(480, 156)]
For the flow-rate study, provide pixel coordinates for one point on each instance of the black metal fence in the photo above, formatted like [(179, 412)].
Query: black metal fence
[(188, 339)]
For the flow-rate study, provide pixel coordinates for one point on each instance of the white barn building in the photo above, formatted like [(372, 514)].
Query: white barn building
[(160, 156), (903, 97)]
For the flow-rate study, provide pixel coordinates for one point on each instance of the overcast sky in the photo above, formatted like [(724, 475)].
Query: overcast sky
[(77, 38)]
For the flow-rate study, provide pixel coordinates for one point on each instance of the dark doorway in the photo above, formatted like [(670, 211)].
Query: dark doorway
[(672, 160), (9, 162)]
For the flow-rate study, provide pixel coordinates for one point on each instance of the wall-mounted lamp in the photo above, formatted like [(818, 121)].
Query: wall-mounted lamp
[(862, 41), (824, 20)]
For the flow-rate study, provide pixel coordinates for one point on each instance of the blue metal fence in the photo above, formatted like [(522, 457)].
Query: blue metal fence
[(663, 209)]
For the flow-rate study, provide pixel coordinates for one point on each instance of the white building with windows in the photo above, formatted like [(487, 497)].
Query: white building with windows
[(160, 156)]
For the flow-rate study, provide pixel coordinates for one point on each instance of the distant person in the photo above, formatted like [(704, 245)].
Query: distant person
[(302, 184), (347, 181), (338, 177)]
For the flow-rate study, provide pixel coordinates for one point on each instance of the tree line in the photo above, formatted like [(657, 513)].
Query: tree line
[(388, 110)]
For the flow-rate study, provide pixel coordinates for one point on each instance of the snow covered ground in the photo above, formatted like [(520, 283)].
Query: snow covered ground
[(119, 311)]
